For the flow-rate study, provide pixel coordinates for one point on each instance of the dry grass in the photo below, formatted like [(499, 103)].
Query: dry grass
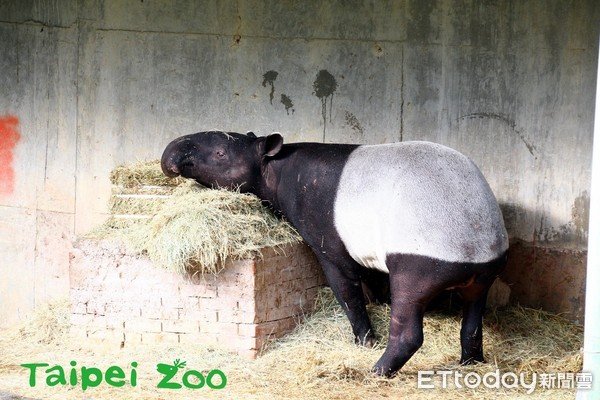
[(142, 173), (318, 360), (186, 226)]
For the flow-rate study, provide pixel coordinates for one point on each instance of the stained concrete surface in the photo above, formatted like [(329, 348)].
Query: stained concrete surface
[(98, 83)]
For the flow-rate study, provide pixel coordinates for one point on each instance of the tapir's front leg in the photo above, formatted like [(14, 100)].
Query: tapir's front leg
[(349, 294)]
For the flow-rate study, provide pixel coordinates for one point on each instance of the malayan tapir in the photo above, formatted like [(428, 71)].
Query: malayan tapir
[(418, 211)]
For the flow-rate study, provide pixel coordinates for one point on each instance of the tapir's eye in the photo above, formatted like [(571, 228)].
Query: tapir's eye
[(220, 153)]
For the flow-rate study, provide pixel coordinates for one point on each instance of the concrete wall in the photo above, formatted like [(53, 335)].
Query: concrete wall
[(86, 85)]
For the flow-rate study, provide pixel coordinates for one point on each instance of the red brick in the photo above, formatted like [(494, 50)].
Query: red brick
[(295, 286), (82, 319), (210, 327), (274, 314), (204, 339), (96, 306), (234, 291), (311, 295), (247, 330), (248, 303), (314, 281), (113, 322), (267, 328), (275, 328), (248, 354), (228, 328), (199, 314), (79, 275), (132, 338), (78, 308), (226, 302), (287, 274), (201, 280), (143, 325), (181, 326), (238, 342), (238, 316), (78, 333), (190, 338), (198, 290), (277, 300), (245, 278), (173, 301), (163, 337), (160, 313), (130, 311), (108, 335)]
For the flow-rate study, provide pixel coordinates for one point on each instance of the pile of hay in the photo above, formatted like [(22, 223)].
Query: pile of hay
[(183, 226), (516, 338), (318, 360)]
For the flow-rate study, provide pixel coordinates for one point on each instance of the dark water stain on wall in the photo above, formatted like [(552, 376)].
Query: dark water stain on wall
[(513, 214), (547, 234), (269, 78), (573, 232), (354, 123), (287, 103), (580, 214), (324, 87), (547, 277)]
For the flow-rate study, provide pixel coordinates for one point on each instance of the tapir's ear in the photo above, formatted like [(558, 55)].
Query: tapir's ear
[(251, 134), (273, 144)]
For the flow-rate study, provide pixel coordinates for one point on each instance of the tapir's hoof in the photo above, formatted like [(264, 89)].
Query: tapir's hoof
[(370, 342), (472, 360), (384, 372), (367, 341)]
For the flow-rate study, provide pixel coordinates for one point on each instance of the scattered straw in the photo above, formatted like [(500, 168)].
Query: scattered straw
[(49, 323), (318, 360), (188, 227), (142, 173), (48, 326)]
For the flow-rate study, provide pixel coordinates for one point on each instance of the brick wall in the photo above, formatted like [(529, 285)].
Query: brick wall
[(121, 299)]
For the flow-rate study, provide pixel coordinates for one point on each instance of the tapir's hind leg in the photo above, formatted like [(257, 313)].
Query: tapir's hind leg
[(415, 280), (406, 331), (471, 332), (474, 301), (413, 286)]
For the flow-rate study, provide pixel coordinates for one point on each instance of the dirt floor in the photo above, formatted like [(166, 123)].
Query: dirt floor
[(318, 360)]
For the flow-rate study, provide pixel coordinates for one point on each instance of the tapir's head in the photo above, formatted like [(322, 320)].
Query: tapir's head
[(219, 159)]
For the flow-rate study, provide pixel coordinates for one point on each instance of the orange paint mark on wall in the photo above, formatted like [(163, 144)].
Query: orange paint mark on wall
[(9, 137)]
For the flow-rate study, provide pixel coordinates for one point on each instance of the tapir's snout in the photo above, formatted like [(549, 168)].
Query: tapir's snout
[(169, 168), (169, 165), (171, 158)]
